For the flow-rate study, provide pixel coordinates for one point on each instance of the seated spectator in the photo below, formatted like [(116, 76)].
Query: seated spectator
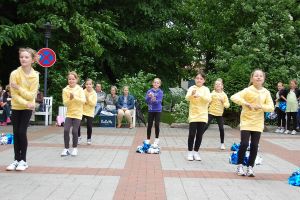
[(5, 104), (125, 107), (100, 99), (39, 102), (111, 100)]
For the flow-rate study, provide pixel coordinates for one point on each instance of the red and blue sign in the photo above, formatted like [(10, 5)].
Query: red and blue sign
[(47, 57)]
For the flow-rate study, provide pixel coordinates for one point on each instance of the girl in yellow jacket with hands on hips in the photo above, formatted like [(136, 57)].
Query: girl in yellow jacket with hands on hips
[(88, 109), (199, 97), (216, 108), (73, 99), (24, 82), (255, 100)]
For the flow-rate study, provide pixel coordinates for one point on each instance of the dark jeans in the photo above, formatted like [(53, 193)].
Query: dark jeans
[(220, 121), (20, 121), (245, 135), (281, 121), (290, 115), (196, 129), (6, 112), (89, 126), (153, 116), (71, 122)]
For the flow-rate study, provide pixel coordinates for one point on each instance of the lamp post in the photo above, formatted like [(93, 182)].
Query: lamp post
[(47, 27)]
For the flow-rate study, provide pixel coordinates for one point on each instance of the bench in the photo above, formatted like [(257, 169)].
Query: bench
[(48, 110)]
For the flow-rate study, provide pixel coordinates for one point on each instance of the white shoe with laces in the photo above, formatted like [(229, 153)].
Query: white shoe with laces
[(65, 152), (222, 147), (240, 170), (22, 166), (250, 172), (89, 141), (190, 156), (293, 132), (12, 166), (74, 152), (286, 132), (277, 130), (155, 143), (197, 156)]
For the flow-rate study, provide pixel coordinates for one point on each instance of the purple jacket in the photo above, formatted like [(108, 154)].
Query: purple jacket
[(154, 106)]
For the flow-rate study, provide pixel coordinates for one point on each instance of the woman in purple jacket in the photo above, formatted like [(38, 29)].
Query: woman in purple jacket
[(154, 98)]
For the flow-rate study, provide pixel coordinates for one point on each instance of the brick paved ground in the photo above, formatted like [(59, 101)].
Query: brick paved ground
[(110, 168)]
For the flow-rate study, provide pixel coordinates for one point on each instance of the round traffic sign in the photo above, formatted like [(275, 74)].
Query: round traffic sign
[(47, 57)]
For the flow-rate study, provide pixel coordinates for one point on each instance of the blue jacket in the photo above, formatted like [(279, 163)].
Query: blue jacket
[(130, 102), (154, 106)]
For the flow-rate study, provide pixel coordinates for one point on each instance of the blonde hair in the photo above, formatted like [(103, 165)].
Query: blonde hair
[(28, 50), (221, 81), (157, 79), (252, 74), (125, 86), (74, 74), (294, 81)]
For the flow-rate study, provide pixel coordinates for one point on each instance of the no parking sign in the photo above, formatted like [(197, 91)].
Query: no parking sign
[(47, 57)]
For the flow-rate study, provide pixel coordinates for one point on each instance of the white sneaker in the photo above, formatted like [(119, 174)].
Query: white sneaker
[(222, 147), (250, 172), (22, 166), (89, 141), (79, 140), (277, 130), (12, 166), (282, 130), (65, 152), (286, 132), (147, 141), (190, 156), (74, 152), (293, 132), (197, 156), (155, 143), (240, 170)]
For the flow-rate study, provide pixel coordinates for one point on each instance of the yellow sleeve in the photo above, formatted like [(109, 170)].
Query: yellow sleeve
[(15, 93), (206, 97), (29, 95), (238, 98), (80, 98), (66, 97), (189, 96), (268, 105), (92, 99), (226, 101)]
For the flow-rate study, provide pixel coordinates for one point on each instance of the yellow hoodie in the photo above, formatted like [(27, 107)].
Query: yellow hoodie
[(198, 108), (28, 87), (253, 120), (74, 106), (91, 101), (216, 107)]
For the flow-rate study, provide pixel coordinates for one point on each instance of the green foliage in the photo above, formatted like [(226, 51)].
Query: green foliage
[(138, 85), (181, 111)]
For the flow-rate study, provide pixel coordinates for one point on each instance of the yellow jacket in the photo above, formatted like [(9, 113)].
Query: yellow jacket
[(198, 108), (253, 120), (74, 106), (91, 101), (28, 87), (216, 107)]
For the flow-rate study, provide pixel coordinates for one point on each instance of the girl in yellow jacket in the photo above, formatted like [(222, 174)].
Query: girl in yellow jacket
[(255, 100), (199, 97), (73, 99), (24, 83), (88, 109), (216, 108)]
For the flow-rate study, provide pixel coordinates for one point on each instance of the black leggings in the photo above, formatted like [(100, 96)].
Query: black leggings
[(281, 121), (89, 126), (71, 122), (20, 121), (220, 122), (245, 135), (196, 129), (156, 117), (290, 115)]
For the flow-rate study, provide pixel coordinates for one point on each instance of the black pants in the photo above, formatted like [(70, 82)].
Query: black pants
[(245, 135), (71, 122), (153, 116), (196, 129), (20, 121), (220, 121), (290, 115), (89, 126), (281, 121)]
